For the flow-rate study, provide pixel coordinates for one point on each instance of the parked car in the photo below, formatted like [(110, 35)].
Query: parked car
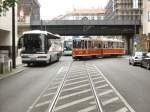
[(146, 61), (136, 59)]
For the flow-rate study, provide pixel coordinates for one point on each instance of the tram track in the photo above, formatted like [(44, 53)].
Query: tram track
[(110, 99), (58, 91), (81, 87)]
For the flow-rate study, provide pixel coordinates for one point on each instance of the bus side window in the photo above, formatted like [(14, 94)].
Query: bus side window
[(49, 43)]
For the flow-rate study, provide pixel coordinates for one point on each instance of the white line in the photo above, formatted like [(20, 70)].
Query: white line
[(93, 72), (76, 87), (120, 96), (105, 93), (110, 101), (76, 78), (59, 71), (95, 75), (95, 78), (88, 109), (73, 103), (124, 109), (99, 87), (52, 88), (42, 104), (48, 94), (99, 81), (73, 94), (76, 82)]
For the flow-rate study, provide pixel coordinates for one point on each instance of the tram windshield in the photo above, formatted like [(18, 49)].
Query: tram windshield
[(32, 43)]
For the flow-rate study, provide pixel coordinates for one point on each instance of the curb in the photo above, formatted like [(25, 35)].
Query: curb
[(19, 69)]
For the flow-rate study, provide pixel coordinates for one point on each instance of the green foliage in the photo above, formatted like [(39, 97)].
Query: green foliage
[(6, 4)]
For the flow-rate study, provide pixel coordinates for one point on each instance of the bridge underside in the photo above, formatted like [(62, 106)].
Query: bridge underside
[(76, 30)]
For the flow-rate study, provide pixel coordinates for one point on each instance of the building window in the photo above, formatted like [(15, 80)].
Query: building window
[(148, 15)]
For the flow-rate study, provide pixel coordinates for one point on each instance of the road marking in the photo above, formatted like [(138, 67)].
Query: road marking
[(115, 90), (100, 87), (86, 80), (73, 103), (110, 101), (105, 93), (68, 80), (73, 94), (52, 88), (124, 109), (99, 81), (95, 78), (48, 94), (74, 76), (42, 104), (59, 71), (88, 109), (76, 87)]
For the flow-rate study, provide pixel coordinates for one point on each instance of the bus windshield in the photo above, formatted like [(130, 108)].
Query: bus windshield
[(33, 43)]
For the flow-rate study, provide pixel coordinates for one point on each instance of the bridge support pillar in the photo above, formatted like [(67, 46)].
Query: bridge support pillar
[(129, 46)]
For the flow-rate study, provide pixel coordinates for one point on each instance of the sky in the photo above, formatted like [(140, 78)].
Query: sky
[(54, 8)]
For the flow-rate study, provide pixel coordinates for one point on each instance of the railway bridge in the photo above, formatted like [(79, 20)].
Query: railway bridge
[(88, 27), (91, 27)]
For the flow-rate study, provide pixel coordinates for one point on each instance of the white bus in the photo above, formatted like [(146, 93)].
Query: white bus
[(39, 47)]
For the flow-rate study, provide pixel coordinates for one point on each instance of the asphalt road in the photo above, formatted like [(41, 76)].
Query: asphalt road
[(133, 82), (19, 92)]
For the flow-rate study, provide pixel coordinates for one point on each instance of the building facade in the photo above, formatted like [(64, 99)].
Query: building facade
[(6, 33), (127, 10), (28, 11), (124, 10), (146, 24), (83, 14)]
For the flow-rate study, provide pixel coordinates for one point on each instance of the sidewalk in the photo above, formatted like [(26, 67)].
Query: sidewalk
[(18, 69)]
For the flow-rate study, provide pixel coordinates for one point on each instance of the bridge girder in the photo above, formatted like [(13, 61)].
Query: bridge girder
[(75, 28)]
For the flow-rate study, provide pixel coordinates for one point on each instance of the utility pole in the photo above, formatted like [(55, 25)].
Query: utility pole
[(13, 38)]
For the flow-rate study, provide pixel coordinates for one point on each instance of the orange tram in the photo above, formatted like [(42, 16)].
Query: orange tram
[(96, 47)]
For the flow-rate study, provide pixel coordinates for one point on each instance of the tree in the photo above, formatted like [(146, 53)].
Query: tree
[(6, 4)]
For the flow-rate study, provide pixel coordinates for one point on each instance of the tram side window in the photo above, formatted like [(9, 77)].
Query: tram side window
[(97, 44), (82, 44), (122, 45), (110, 44), (85, 44), (105, 45), (115, 45), (76, 43), (89, 44)]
